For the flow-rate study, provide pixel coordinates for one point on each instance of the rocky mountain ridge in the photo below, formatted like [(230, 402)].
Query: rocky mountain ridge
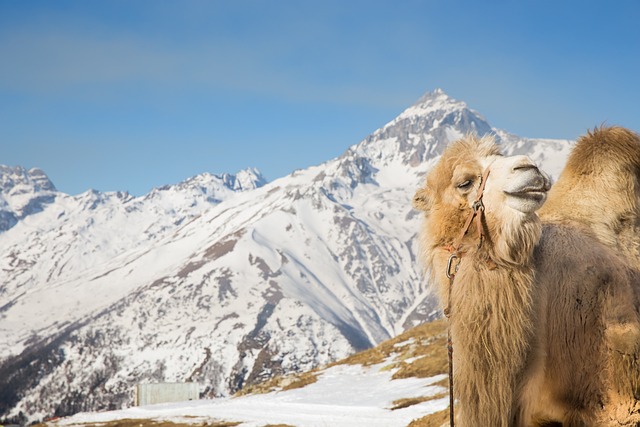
[(22, 193)]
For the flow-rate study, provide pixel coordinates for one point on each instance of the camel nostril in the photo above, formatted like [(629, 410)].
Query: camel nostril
[(524, 167)]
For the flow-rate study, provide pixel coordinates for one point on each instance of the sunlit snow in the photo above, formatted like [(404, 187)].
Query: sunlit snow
[(224, 279), (343, 396)]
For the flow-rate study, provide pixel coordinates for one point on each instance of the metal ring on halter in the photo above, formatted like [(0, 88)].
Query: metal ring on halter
[(451, 258), (477, 206)]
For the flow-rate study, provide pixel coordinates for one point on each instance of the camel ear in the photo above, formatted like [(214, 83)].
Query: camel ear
[(422, 200)]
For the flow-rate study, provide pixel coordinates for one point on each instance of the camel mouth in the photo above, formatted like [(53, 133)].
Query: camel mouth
[(533, 195), (533, 185), (528, 196), (529, 192)]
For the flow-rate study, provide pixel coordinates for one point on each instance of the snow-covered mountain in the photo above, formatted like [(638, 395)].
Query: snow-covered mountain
[(221, 280), (22, 193)]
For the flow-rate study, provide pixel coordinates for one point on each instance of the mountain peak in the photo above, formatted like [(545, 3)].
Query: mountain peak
[(210, 188), (435, 94), (247, 179), (22, 192), (422, 131), (433, 103), (14, 177)]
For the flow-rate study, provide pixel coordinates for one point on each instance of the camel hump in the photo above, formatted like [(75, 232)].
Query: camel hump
[(599, 188)]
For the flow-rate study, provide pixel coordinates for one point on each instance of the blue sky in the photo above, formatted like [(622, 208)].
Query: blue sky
[(131, 95)]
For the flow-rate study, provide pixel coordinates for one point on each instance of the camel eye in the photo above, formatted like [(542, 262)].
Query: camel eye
[(465, 185)]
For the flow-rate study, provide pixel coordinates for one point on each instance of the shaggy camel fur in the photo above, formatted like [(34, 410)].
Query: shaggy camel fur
[(538, 311), (599, 190)]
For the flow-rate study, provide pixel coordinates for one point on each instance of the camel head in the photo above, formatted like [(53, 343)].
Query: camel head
[(514, 189)]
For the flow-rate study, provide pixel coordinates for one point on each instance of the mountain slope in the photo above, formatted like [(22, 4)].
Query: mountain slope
[(102, 291), (398, 383), (75, 235)]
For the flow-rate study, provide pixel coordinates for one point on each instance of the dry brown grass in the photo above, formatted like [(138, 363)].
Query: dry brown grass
[(420, 352), (437, 419), (410, 401), (301, 380), (427, 340), (260, 388), (288, 382), (433, 361), (443, 382)]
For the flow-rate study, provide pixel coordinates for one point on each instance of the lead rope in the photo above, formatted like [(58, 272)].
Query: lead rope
[(447, 313), (478, 210)]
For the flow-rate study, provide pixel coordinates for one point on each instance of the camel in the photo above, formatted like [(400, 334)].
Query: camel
[(602, 171), (543, 315), (599, 190)]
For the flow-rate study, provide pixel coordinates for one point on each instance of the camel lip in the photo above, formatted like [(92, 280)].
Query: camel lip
[(528, 193)]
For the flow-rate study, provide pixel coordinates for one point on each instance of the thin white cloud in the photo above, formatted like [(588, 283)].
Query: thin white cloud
[(68, 62)]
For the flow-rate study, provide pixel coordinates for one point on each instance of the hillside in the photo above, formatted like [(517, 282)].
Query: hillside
[(400, 382), (222, 280)]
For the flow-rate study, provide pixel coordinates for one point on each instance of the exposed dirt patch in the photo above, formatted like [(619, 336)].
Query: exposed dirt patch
[(190, 267), (223, 247)]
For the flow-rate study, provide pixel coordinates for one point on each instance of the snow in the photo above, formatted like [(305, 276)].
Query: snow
[(80, 243), (433, 102), (307, 269), (343, 396)]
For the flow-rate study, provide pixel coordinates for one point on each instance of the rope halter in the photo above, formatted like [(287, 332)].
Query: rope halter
[(477, 212)]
